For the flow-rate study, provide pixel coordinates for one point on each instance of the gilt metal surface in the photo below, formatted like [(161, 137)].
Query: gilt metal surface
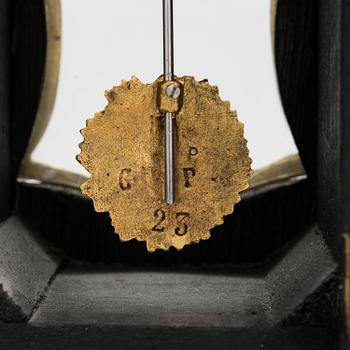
[(123, 150)]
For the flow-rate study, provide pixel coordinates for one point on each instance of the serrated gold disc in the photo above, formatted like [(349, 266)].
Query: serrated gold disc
[(123, 149)]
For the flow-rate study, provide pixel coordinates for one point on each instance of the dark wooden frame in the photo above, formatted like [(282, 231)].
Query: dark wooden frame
[(313, 63)]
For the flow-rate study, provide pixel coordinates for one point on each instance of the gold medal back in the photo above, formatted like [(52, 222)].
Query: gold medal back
[(123, 149)]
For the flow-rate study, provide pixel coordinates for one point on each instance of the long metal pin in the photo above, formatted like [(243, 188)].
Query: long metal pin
[(168, 62)]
